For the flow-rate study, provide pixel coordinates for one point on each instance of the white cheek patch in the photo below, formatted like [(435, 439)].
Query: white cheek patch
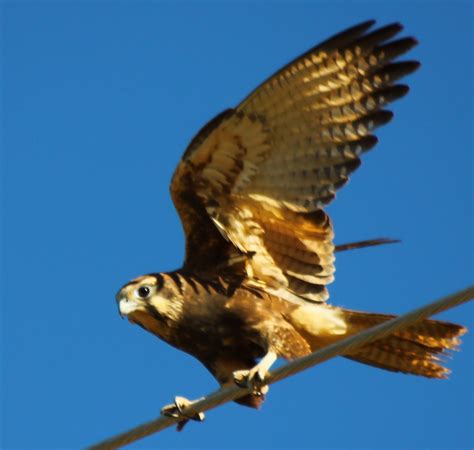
[(167, 308), (320, 320)]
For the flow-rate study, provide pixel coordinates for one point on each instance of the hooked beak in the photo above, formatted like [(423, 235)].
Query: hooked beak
[(125, 306), (118, 298)]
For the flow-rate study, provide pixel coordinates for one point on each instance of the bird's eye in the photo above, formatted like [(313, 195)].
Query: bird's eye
[(143, 292)]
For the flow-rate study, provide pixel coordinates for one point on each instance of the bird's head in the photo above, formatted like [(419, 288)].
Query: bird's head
[(149, 295)]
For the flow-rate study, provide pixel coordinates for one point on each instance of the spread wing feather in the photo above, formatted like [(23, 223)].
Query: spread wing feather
[(252, 184)]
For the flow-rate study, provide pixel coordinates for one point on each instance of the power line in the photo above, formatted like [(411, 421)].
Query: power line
[(343, 346)]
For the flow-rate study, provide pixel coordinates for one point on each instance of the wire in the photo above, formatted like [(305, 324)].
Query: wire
[(343, 346)]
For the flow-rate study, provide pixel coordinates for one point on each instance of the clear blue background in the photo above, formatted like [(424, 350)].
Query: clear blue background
[(99, 100)]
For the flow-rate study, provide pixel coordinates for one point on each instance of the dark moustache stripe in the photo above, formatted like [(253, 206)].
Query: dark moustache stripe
[(155, 314)]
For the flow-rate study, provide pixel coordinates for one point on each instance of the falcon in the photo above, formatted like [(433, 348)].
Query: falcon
[(250, 190)]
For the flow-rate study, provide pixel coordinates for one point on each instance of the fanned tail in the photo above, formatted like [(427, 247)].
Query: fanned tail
[(418, 349)]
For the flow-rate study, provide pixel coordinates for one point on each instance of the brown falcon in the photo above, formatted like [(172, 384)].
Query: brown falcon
[(250, 190)]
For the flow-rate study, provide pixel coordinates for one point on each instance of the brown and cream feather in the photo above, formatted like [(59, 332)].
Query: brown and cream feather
[(263, 171), (250, 190)]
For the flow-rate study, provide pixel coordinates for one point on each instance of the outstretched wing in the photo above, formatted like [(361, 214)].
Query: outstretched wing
[(251, 186)]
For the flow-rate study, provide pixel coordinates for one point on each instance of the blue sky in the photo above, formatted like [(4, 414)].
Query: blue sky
[(99, 100)]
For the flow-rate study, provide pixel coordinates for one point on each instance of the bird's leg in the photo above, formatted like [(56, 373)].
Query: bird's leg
[(176, 410), (254, 378)]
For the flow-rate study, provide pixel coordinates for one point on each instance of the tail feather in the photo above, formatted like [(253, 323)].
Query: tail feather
[(418, 349), (400, 355)]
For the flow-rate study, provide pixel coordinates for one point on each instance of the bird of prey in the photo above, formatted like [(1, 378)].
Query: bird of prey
[(250, 190)]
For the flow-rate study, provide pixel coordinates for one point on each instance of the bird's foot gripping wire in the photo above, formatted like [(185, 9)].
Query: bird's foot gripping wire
[(176, 410), (255, 377)]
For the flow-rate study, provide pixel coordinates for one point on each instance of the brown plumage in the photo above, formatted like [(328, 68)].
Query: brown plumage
[(250, 191)]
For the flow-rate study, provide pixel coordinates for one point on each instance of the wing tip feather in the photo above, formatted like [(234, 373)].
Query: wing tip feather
[(346, 36)]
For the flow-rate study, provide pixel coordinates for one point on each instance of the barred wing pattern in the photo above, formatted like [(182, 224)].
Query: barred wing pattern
[(263, 172)]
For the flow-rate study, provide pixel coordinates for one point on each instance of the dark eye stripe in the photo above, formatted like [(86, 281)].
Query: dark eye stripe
[(159, 280)]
